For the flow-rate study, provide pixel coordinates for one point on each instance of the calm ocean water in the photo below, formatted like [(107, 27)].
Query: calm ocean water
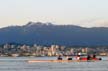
[(21, 64)]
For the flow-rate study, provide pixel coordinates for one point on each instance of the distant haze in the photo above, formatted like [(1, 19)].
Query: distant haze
[(86, 13)]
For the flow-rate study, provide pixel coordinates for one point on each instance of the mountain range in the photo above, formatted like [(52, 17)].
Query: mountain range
[(49, 34)]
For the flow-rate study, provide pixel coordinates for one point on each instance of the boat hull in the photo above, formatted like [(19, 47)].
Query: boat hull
[(34, 61)]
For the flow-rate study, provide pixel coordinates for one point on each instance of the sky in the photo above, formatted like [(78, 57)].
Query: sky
[(86, 13)]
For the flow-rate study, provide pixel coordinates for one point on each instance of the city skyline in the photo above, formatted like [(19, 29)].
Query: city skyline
[(87, 13)]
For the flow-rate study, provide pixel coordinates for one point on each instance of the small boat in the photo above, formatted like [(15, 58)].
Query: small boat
[(84, 58), (81, 59), (34, 61)]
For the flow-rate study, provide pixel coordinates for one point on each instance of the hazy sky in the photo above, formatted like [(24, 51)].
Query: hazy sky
[(80, 12)]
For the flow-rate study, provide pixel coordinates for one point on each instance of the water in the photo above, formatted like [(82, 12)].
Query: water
[(21, 64)]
